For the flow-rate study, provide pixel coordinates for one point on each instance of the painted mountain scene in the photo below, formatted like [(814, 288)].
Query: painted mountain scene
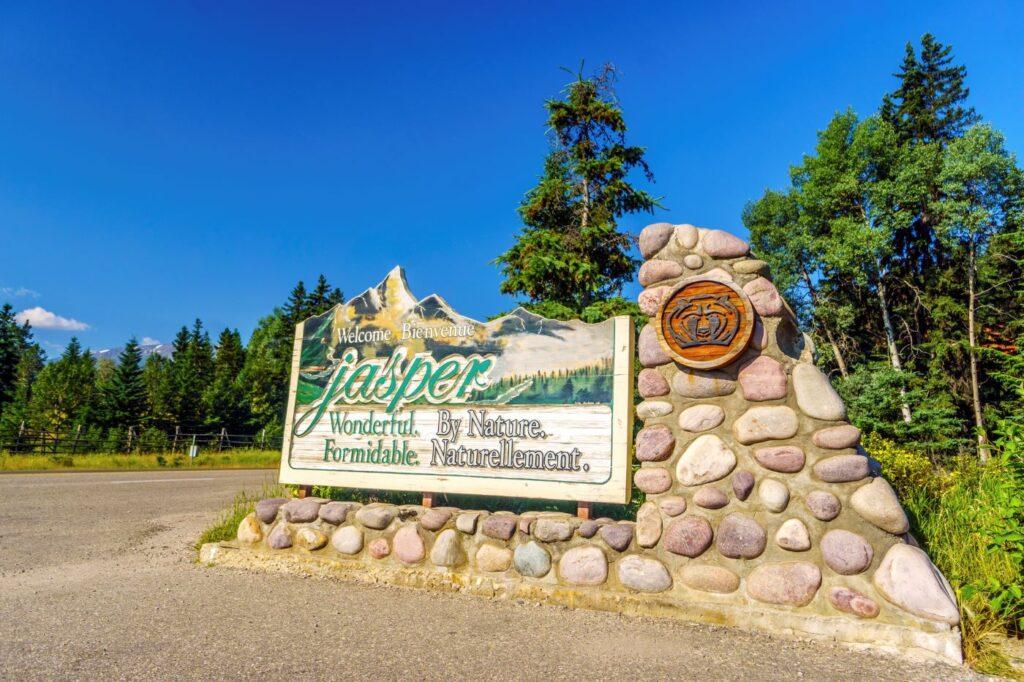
[(536, 360)]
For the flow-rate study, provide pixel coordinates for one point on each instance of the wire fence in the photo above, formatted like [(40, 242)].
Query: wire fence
[(131, 440)]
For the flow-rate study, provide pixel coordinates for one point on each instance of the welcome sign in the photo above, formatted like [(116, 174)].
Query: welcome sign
[(395, 393)]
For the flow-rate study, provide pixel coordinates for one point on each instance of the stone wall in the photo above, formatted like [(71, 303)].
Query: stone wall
[(762, 511)]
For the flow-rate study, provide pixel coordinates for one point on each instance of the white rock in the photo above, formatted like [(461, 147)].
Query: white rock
[(772, 422), (686, 236), (706, 459), (774, 495), (793, 535), (649, 409), (701, 418), (693, 261), (815, 395), (907, 578), (347, 540), (648, 525)]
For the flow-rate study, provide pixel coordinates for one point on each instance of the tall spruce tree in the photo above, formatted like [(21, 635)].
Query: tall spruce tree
[(14, 338), (570, 255), (123, 396), (322, 297), (928, 105), (224, 398)]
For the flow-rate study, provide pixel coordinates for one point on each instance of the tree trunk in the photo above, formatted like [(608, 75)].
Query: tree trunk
[(890, 340), (840, 361), (979, 418)]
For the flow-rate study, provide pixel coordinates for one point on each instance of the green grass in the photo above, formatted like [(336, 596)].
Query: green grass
[(226, 525), (229, 459), (969, 517)]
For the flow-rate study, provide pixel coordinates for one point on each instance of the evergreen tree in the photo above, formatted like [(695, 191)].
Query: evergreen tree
[(225, 398), (191, 373), (264, 376), (570, 253), (296, 308), (322, 298), (123, 396), (14, 338), (928, 104), (17, 412), (158, 377)]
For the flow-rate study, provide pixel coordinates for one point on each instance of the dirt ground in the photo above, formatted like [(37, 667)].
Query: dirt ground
[(98, 580)]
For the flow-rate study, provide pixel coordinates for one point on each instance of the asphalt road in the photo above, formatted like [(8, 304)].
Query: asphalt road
[(98, 581)]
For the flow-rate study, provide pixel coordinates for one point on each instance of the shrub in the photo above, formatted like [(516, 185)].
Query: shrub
[(970, 519)]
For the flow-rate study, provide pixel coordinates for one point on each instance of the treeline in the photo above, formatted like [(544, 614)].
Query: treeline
[(203, 385), (900, 241)]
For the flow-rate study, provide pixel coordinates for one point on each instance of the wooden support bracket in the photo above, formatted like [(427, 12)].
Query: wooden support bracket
[(585, 510)]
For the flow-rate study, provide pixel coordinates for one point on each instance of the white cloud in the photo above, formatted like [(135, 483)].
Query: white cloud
[(18, 292), (40, 318), (149, 341)]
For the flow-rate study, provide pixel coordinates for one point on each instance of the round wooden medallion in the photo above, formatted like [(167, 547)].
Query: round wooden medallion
[(705, 323)]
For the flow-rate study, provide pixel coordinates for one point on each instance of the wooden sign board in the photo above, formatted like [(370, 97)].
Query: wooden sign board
[(394, 393), (705, 323)]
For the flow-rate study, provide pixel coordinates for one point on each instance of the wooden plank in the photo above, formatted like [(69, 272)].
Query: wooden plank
[(585, 510), (428, 499)]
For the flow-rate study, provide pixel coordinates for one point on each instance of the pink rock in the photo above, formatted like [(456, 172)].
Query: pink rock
[(837, 437), (433, 519), (792, 583), (842, 468), (824, 506), (409, 546), (651, 384), (649, 348), (710, 498), (721, 244), (742, 484), (654, 237), (851, 601), (846, 553), (741, 537), (654, 443), (688, 536), (765, 297), (763, 379), (672, 506), (653, 481), (650, 300), (657, 270), (379, 548), (758, 337), (786, 459), (583, 566)]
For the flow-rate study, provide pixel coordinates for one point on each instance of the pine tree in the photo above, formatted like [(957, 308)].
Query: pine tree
[(14, 338), (322, 298), (158, 378), (296, 308), (570, 254), (224, 398), (928, 105), (123, 401), (191, 373)]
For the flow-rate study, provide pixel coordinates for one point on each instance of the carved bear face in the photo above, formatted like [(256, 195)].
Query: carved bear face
[(706, 319)]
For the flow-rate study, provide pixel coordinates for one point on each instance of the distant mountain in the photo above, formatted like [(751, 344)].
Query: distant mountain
[(164, 349)]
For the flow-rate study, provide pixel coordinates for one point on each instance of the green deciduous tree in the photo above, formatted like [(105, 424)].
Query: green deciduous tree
[(982, 190), (64, 392), (570, 253)]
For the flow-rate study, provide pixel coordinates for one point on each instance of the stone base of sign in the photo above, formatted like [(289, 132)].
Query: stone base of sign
[(548, 558)]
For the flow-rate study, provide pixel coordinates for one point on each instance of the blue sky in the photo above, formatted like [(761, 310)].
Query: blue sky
[(163, 161)]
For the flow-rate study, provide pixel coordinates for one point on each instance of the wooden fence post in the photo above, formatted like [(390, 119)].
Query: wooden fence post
[(78, 434), (220, 441)]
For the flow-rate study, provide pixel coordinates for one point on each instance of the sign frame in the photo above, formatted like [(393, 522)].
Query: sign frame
[(616, 489)]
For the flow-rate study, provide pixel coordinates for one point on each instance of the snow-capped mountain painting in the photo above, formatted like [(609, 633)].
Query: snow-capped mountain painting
[(535, 358)]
